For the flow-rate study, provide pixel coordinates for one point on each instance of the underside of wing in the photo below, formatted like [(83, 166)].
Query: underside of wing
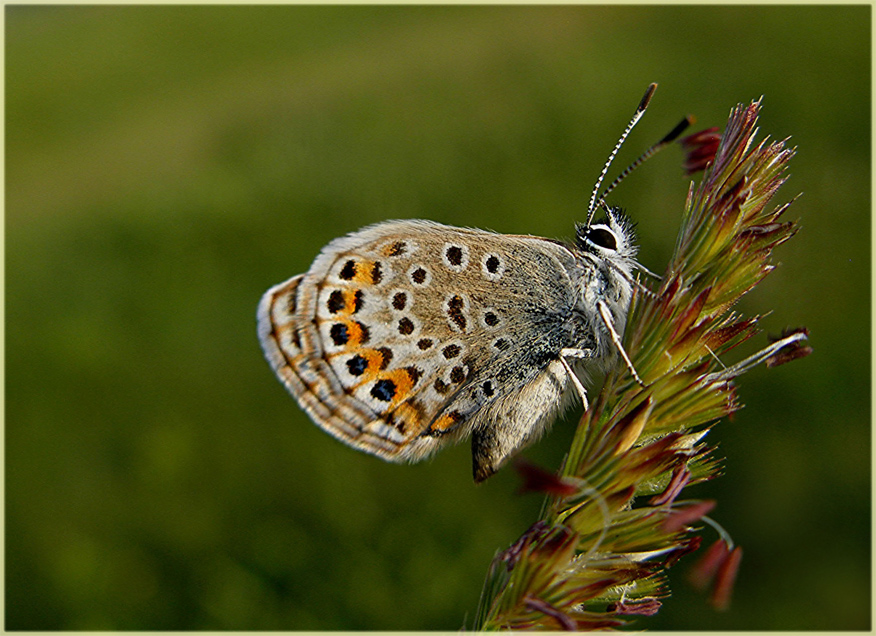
[(400, 334)]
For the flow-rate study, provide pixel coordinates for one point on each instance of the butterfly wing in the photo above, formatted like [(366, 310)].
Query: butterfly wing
[(405, 335)]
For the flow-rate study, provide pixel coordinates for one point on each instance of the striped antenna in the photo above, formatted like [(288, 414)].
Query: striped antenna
[(643, 105), (650, 152)]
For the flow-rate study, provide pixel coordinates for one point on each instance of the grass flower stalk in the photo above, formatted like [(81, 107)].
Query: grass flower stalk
[(614, 518)]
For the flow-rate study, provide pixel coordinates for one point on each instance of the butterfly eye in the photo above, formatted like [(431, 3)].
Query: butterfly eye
[(602, 237)]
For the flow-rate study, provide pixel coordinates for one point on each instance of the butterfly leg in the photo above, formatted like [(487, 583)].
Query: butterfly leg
[(579, 387), (605, 314)]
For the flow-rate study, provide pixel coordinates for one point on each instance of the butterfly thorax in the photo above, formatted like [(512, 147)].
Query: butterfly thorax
[(605, 253)]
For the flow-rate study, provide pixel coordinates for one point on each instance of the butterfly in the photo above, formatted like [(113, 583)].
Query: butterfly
[(409, 335)]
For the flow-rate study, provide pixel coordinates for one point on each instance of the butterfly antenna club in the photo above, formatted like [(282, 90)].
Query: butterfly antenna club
[(640, 110)]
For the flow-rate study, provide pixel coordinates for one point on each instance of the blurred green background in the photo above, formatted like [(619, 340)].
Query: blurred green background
[(166, 165)]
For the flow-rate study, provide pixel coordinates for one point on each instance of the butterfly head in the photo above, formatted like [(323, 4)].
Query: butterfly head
[(611, 239)]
